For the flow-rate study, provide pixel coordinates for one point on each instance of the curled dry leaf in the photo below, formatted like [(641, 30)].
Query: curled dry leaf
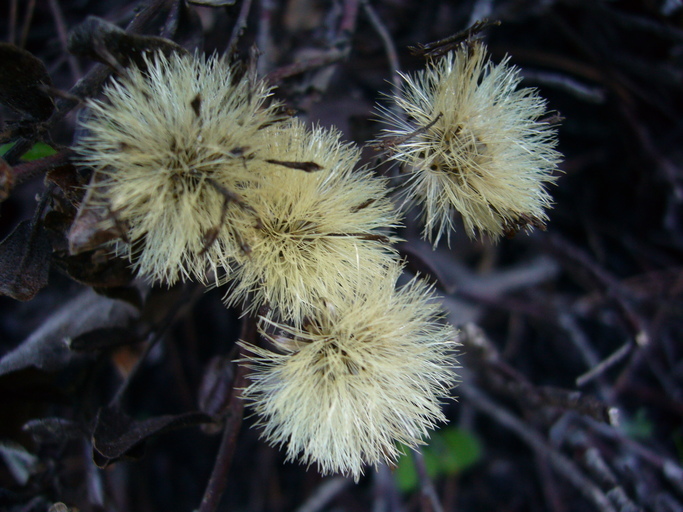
[(92, 227), (104, 42), (23, 81), (96, 268), (105, 338), (48, 349), (117, 435), (24, 261), (130, 294), (67, 179)]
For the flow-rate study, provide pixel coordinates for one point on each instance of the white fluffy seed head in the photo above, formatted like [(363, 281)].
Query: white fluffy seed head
[(318, 234), (473, 143), (343, 390), (166, 143)]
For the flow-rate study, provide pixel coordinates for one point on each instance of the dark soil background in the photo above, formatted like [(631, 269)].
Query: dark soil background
[(571, 388)]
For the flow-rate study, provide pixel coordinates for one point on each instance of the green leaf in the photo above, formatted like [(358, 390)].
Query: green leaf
[(639, 426), (463, 450), (405, 474), (39, 150), (450, 451)]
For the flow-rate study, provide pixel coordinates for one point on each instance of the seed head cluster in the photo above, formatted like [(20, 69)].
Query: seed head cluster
[(319, 233), (357, 378), (472, 142), (206, 176), (168, 145)]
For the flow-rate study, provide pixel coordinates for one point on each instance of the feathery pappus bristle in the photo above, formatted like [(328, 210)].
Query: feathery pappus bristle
[(322, 225), (170, 146), (360, 377), (472, 142)]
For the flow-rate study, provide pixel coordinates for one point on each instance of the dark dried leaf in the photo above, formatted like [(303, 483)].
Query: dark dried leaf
[(96, 268), (67, 179), (104, 42), (128, 294), (53, 430), (92, 227), (6, 180), (117, 435), (57, 224), (100, 339), (24, 261), (23, 79), (47, 348)]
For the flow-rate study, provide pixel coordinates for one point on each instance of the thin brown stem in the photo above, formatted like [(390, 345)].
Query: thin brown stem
[(443, 46), (564, 466), (219, 476), (387, 41), (26, 171), (27, 23), (278, 75), (61, 32), (394, 141), (324, 494), (157, 333), (238, 28), (430, 500)]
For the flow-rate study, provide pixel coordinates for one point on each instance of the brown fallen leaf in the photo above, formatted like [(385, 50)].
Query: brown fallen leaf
[(24, 261), (23, 80), (117, 435)]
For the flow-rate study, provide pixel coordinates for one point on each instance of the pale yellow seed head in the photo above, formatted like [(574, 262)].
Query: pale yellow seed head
[(318, 234), (472, 142), (361, 377), (164, 143)]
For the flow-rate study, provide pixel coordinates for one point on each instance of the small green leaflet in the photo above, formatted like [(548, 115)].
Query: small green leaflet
[(450, 451), (39, 150)]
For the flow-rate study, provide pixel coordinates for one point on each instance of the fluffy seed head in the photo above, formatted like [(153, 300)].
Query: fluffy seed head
[(320, 231), (472, 142), (169, 144), (360, 377)]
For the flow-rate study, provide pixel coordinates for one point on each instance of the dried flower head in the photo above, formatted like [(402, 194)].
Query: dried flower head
[(474, 143), (321, 224), (361, 376), (170, 146)]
